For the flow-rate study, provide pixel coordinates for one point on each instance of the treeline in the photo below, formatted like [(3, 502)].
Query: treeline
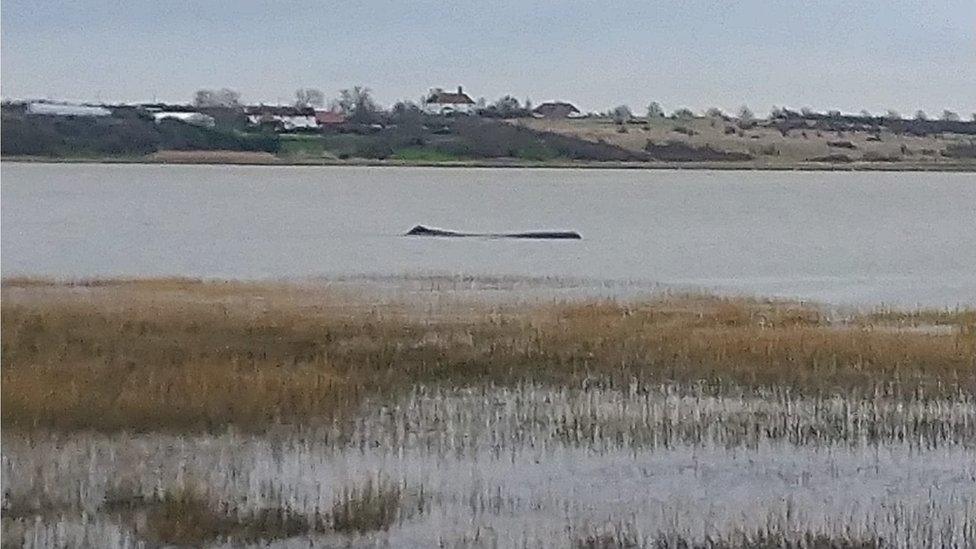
[(129, 132), (921, 125), (123, 134)]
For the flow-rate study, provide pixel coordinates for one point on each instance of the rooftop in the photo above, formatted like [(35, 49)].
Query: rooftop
[(437, 95)]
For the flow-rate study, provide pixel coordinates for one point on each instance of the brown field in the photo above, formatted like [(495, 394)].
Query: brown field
[(766, 144), (183, 355)]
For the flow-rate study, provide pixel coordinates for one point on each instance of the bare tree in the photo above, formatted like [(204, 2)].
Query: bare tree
[(408, 116), (920, 115), (223, 97), (309, 97), (746, 118), (949, 116), (508, 106), (358, 104), (654, 110), (715, 112), (406, 109), (621, 114)]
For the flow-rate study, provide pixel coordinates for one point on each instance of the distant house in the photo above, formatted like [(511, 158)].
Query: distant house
[(282, 118), (191, 118), (65, 109), (439, 101), (557, 109), (330, 118)]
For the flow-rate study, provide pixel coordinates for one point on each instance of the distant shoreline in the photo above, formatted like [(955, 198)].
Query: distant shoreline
[(218, 158)]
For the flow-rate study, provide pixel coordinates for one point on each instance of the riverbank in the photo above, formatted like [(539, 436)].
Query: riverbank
[(235, 158)]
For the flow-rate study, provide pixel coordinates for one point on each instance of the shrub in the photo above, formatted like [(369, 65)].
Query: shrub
[(676, 151), (379, 149), (128, 135), (835, 158), (875, 156), (767, 150), (960, 150)]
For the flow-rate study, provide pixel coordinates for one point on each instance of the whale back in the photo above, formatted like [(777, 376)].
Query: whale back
[(421, 230)]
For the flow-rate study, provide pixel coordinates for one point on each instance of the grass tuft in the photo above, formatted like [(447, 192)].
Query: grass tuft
[(370, 507), (187, 518)]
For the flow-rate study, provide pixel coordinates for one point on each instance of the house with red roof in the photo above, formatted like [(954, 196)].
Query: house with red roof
[(330, 118)]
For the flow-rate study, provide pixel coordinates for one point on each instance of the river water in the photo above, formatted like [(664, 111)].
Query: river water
[(845, 238)]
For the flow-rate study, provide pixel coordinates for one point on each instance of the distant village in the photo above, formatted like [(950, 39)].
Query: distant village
[(307, 113)]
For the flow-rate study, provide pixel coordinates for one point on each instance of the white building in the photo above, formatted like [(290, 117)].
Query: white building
[(439, 101), (65, 109), (299, 122), (283, 118), (286, 122)]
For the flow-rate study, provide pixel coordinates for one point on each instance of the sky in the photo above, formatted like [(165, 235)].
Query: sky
[(829, 54)]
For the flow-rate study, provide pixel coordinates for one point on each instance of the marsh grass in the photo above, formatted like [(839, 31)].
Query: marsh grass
[(32, 504), (768, 539), (674, 461), (182, 517), (612, 536), (182, 355), (370, 507), (625, 536), (962, 319), (186, 517)]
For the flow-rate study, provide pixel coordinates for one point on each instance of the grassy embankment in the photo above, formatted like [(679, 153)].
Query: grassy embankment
[(768, 146), (179, 355)]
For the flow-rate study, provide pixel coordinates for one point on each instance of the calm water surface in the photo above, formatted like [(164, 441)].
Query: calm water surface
[(863, 238)]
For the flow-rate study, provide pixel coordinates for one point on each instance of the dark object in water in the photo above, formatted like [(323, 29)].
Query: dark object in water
[(420, 230)]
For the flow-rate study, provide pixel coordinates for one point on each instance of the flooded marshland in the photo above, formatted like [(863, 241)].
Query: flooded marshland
[(174, 412), (535, 466)]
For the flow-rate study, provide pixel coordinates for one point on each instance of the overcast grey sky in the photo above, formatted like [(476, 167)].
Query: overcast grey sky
[(850, 55)]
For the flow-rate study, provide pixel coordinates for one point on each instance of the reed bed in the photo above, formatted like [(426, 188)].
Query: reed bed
[(146, 413), (183, 355), (528, 465)]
